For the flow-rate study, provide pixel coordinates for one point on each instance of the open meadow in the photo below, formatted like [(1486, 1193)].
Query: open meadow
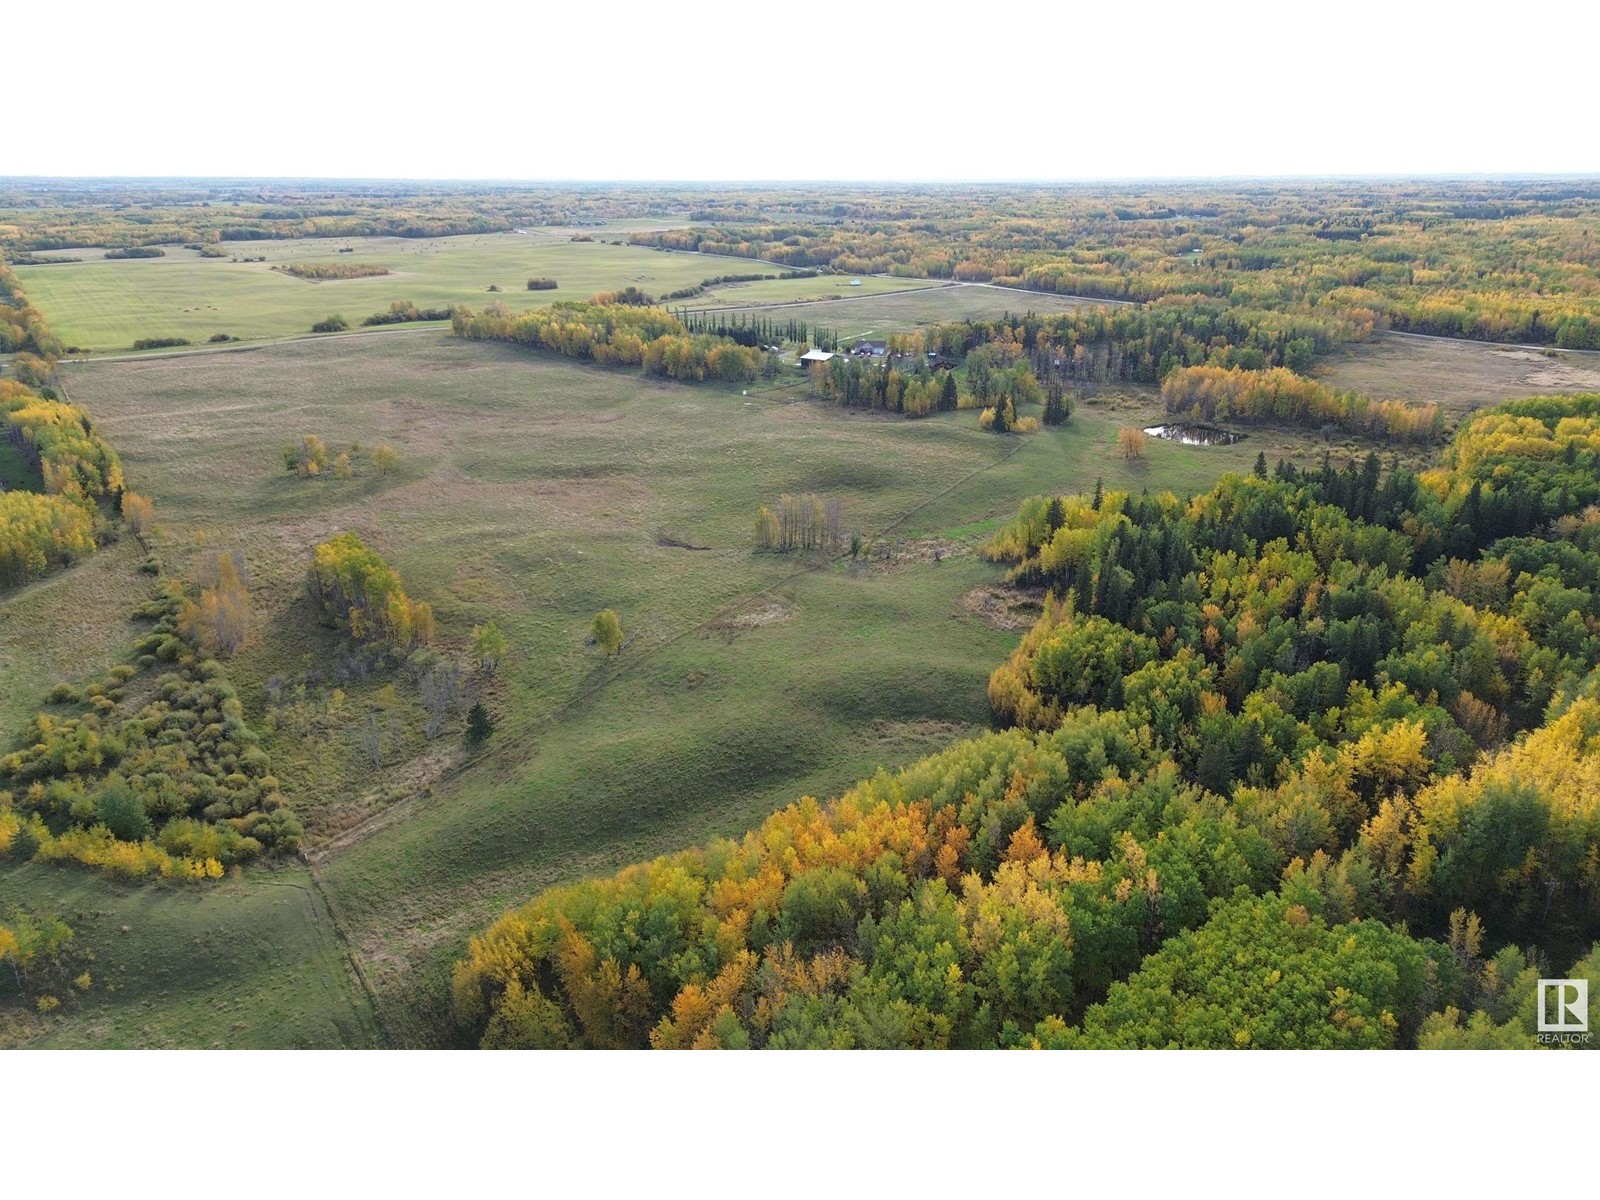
[(1458, 375), (807, 290), (105, 305), (891, 309), (252, 963), (533, 491)]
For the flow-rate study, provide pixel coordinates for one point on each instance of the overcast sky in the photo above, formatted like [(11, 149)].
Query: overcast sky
[(822, 90)]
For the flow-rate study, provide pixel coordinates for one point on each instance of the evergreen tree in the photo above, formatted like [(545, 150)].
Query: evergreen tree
[(479, 724)]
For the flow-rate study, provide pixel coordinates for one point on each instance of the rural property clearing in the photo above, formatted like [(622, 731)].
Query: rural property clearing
[(105, 305), (534, 491)]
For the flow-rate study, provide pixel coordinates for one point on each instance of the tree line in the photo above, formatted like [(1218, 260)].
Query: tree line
[(75, 469), (1279, 395), (616, 335), (752, 329)]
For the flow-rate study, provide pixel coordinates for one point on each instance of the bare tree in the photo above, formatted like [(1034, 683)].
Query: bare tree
[(373, 739), (440, 692)]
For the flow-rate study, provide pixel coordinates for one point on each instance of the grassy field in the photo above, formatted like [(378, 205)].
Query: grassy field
[(105, 305), (1460, 376), (252, 962), (801, 291), (878, 314), (535, 491)]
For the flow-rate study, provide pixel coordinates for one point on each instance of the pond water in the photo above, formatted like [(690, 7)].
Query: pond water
[(1195, 435)]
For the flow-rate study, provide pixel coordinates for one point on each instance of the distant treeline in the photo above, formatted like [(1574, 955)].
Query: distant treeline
[(1426, 259), (1509, 260), (630, 296)]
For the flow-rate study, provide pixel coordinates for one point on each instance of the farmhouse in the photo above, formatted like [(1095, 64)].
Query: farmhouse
[(870, 349)]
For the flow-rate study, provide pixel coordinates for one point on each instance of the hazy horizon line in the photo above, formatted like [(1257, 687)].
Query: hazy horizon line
[(881, 181)]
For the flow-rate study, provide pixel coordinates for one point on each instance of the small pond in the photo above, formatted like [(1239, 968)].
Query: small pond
[(1195, 435)]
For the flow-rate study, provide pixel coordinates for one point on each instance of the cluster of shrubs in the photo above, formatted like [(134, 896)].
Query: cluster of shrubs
[(362, 594), (401, 311), (317, 272), (161, 343), (542, 284), (311, 457), (136, 252), (150, 771)]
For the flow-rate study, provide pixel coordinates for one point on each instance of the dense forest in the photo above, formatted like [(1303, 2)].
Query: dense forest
[(1492, 261), (1309, 760), (1496, 261)]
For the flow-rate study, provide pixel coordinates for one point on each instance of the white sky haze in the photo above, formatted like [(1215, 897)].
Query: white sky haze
[(827, 90)]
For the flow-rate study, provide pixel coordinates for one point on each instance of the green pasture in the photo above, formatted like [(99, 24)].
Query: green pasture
[(250, 962), (104, 305), (534, 491), (891, 309), (829, 288)]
